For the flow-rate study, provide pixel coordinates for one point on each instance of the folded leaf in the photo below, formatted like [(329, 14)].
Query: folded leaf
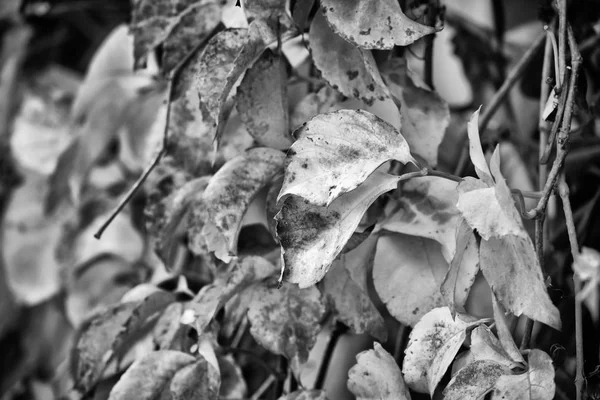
[(475, 380), (476, 151), (537, 383)]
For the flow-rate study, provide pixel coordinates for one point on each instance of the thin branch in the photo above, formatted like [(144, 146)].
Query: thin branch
[(263, 388), (140, 181), (562, 36), (431, 18), (563, 190), (496, 100), (336, 333)]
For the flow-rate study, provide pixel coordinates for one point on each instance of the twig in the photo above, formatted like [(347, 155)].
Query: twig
[(336, 332), (564, 90), (140, 181), (498, 98), (263, 388), (430, 20), (562, 36), (399, 344), (563, 190)]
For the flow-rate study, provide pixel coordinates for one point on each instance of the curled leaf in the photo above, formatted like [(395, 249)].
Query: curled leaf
[(475, 380), (476, 151)]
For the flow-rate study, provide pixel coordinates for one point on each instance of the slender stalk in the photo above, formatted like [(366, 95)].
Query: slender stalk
[(263, 388), (336, 333), (496, 100), (562, 36), (431, 17), (563, 190)]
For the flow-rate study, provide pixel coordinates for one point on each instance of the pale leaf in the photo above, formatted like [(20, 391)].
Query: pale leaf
[(262, 102), (150, 375), (434, 332), (286, 321), (199, 380), (475, 380), (476, 151), (345, 67), (513, 271), (537, 383), (425, 115), (377, 376), (504, 335), (373, 25), (485, 346), (305, 395), (427, 208), (407, 275), (229, 194), (463, 269), (335, 152), (311, 237)]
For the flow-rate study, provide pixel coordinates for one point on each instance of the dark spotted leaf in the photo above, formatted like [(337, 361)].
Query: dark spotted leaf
[(433, 344), (536, 383), (199, 380), (324, 100), (346, 68), (311, 237), (286, 321), (377, 376), (475, 380), (335, 152), (245, 272), (425, 115), (407, 274), (229, 194), (150, 375), (262, 102), (373, 25)]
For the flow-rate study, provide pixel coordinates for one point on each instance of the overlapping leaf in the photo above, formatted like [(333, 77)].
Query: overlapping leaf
[(425, 115), (286, 321), (324, 100), (373, 25), (230, 192), (377, 376), (536, 383), (262, 102), (475, 380), (407, 275), (199, 380), (504, 334), (433, 344), (335, 152), (485, 346), (311, 236), (345, 67), (476, 152)]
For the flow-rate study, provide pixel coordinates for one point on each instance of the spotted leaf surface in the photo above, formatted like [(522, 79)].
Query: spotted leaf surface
[(537, 383), (475, 380)]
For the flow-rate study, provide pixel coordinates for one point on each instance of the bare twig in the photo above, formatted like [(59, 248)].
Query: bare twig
[(431, 18), (562, 36), (263, 388), (498, 98), (140, 181), (563, 190)]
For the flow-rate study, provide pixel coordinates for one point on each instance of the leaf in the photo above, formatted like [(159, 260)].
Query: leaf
[(376, 376), (475, 380), (305, 395), (537, 383), (211, 298), (407, 275), (373, 25), (512, 269), (324, 100), (230, 192), (463, 269), (233, 385), (183, 23), (475, 150), (286, 321), (335, 152), (425, 115), (433, 344), (168, 331), (346, 68), (199, 380), (311, 237), (148, 376), (262, 102), (504, 335), (352, 303), (485, 346), (427, 208)]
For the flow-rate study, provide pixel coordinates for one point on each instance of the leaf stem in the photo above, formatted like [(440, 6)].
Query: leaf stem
[(174, 74), (430, 18), (336, 333), (263, 388), (498, 97), (563, 190)]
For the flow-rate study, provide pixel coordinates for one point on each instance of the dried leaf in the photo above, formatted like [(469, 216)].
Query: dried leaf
[(286, 321), (346, 68), (373, 25), (311, 237), (199, 380), (150, 375), (407, 275), (245, 272), (376, 376), (262, 102), (335, 152), (535, 384), (230, 192), (475, 380), (305, 395), (512, 269), (476, 151), (463, 269), (427, 208), (425, 115), (432, 347), (506, 339)]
